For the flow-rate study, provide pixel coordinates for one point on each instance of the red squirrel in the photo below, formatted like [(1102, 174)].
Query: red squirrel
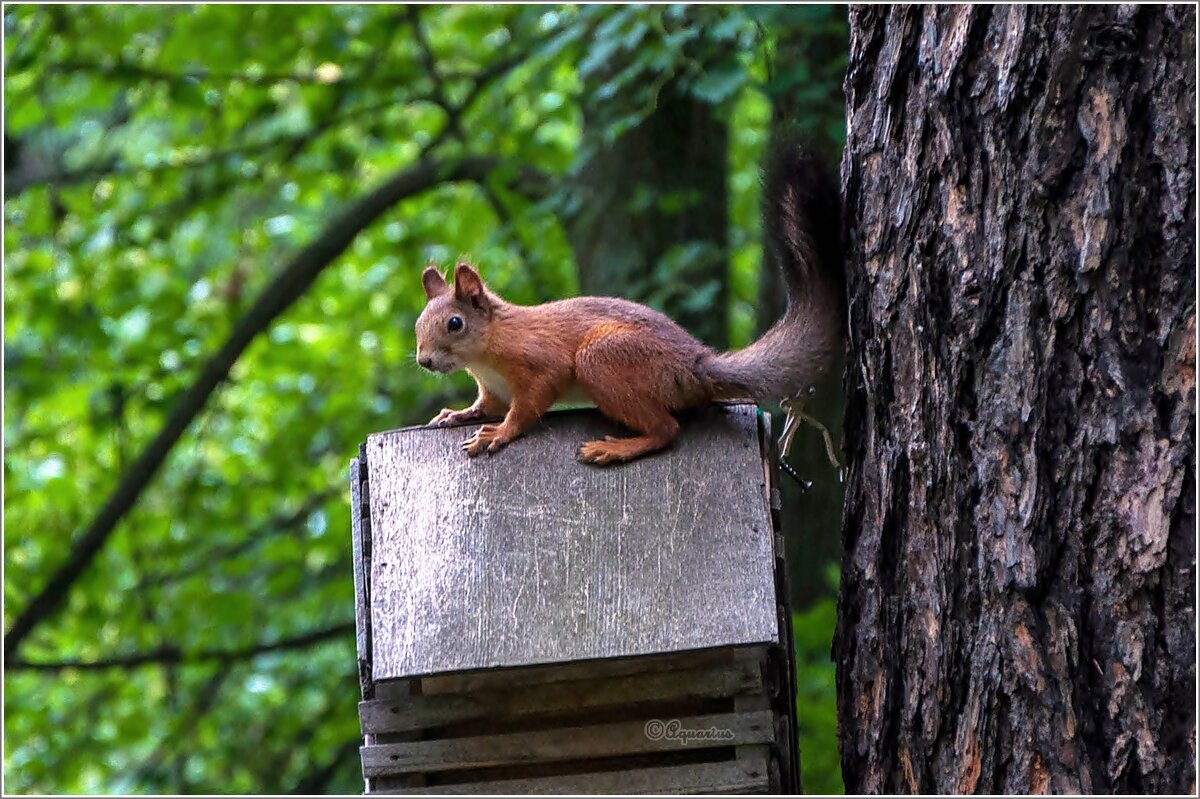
[(635, 363)]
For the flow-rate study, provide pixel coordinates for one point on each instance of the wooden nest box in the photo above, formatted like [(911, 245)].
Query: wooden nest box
[(531, 624)]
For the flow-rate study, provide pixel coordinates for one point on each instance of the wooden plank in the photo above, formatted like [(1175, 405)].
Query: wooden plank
[(781, 673), (579, 670), (418, 712), (758, 753), (394, 692), (602, 740), (724, 777), (530, 557), (362, 608)]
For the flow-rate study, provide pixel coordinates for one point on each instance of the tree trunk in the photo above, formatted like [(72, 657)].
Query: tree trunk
[(659, 191), (1017, 611)]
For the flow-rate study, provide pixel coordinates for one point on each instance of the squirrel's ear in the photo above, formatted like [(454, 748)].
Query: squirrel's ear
[(433, 282), (468, 287)]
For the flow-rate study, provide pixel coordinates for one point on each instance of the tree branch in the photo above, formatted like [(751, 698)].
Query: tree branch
[(181, 730), (277, 297), (482, 80), (114, 167), (127, 70), (440, 96), (253, 539), (173, 654)]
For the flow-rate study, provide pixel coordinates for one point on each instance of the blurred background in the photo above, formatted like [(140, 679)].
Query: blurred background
[(165, 165)]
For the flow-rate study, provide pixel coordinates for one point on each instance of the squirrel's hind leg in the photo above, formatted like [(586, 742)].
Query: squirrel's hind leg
[(622, 369), (657, 425)]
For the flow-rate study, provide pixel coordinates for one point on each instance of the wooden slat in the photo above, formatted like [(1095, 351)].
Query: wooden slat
[(580, 670), (392, 692), (418, 712), (781, 674), (361, 565), (725, 777), (528, 557), (602, 740), (361, 604)]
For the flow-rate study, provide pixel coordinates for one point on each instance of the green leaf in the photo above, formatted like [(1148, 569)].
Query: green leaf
[(720, 83)]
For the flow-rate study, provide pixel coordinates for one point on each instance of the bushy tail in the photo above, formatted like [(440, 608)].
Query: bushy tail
[(802, 231)]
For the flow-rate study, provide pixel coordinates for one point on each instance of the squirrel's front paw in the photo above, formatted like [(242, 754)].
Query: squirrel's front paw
[(489, 437), (450, 416)]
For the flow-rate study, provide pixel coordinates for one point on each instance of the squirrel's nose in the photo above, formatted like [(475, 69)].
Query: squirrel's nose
[(426, 362)]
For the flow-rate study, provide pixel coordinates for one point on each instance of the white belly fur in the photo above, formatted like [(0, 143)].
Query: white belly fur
[(490, 379), (494, 382)]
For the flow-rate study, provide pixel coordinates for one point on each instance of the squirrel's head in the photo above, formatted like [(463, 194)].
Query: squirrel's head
[(450, 330)]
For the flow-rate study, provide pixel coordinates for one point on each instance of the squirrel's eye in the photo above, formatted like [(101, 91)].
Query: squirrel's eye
[(455, 324)]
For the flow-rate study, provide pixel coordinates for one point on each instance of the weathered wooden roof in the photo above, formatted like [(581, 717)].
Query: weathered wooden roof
[(530, 557)]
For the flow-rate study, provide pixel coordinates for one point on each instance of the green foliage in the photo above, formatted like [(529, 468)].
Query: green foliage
[(162, 164), (816, 692)]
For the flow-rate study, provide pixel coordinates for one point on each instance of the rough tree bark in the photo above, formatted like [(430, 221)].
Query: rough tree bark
[(1017, 611)]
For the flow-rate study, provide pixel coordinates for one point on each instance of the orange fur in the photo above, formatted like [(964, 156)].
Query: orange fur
[(635, 363)]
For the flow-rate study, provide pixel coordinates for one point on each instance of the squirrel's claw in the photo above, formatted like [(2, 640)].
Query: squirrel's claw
[(488, 437), (450, 416), (600, 453)]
